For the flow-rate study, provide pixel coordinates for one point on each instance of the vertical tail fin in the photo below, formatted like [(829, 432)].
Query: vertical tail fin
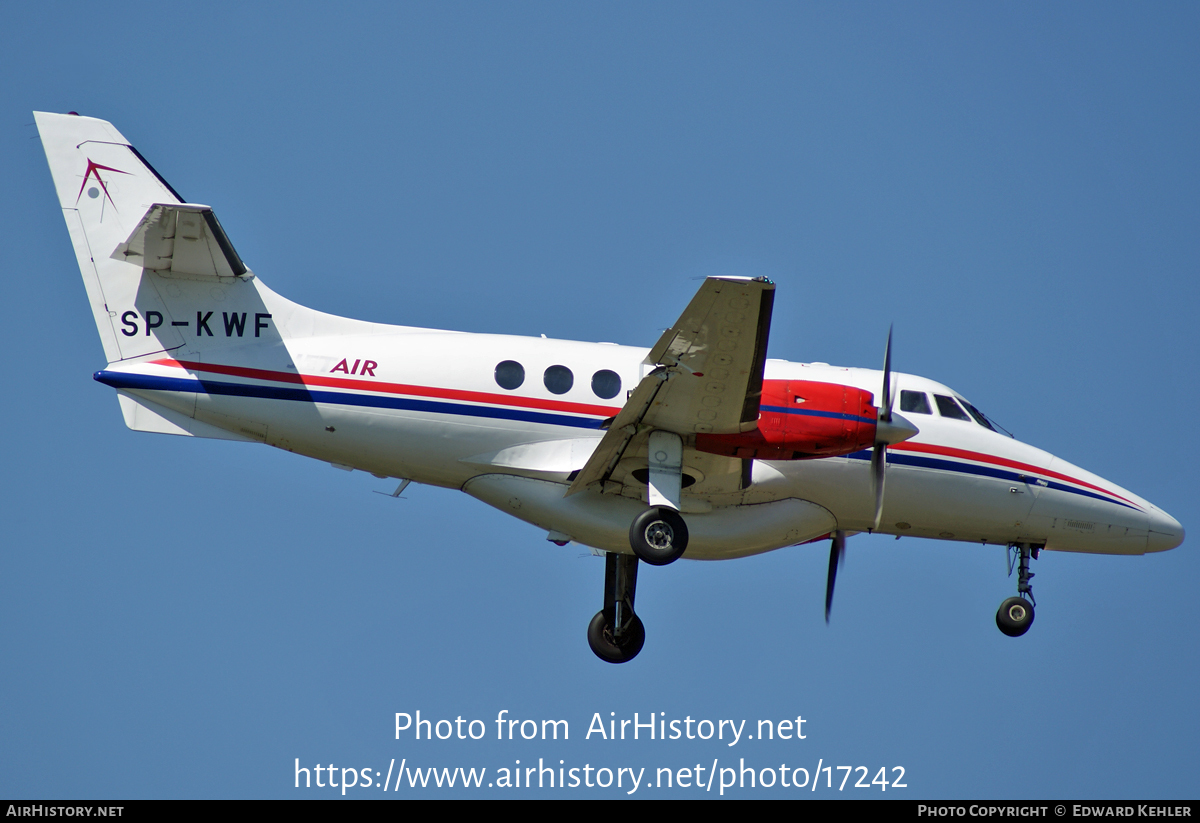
[(105, 187), (160, 273), (162, 276)]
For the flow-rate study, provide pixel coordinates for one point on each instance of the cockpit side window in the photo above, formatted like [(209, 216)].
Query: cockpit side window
[(948, 408), (915, 401), (979, 416)]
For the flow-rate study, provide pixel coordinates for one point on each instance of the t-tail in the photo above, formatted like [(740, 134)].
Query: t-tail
[(163, 280), (125, 220)]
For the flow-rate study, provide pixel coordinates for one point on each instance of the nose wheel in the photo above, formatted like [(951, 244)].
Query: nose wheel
[(1015, 615)]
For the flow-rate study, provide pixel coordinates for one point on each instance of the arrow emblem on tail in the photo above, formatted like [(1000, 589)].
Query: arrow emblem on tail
[(95, 168)]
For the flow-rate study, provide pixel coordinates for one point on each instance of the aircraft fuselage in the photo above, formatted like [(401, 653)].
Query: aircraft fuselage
[(426, 405)]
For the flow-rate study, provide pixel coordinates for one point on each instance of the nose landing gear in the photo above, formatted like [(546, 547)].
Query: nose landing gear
[(1015, 616), (1016, 613)]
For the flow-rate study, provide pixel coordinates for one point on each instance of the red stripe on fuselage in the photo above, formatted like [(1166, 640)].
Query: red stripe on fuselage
[(564, 406), (963, 454), (392, 388)]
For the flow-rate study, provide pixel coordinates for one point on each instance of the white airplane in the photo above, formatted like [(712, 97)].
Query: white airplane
[(700, 447)]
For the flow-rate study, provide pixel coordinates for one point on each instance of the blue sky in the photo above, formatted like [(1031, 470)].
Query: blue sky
[(1013, 185)]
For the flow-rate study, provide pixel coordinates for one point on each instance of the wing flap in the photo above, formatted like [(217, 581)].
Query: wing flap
[(624, 427)]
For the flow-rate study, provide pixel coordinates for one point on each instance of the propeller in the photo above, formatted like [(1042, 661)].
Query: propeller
[(879, 453), (837, 552), (889, 429)]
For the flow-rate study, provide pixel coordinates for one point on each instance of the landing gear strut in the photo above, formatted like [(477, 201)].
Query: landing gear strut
[(658, 535), (616, 633), (1016, 613)]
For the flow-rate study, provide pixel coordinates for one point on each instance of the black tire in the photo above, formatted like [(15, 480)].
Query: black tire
[(600, 638), (1015, 616), (658, 536)]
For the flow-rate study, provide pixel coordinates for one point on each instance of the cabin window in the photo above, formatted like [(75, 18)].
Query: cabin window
[(559, 379), (915, 401), (606, 384), (510, 374), (948, 408)]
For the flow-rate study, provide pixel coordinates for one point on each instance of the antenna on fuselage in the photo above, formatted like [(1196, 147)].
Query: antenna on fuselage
[(403, 485)]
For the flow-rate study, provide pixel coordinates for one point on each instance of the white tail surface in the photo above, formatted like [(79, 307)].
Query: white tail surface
[(105, 188), (162, 276), (160, 273), (144, 416)]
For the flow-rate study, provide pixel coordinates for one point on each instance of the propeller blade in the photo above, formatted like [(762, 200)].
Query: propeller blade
[(886, 398), (878, 474), (884, 430), (836, 551)]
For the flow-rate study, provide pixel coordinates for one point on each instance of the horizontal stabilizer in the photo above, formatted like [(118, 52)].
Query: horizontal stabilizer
[(144, 416), (182, 239)]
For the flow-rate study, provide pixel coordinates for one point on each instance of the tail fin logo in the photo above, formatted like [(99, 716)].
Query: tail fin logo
[(95, 168)]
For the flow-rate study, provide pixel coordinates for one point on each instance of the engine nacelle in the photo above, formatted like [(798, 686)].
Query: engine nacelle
[(801, 420)]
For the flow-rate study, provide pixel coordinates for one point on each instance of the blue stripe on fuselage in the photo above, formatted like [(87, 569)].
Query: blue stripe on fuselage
[(812, 413), (146, 382), (904, 459)]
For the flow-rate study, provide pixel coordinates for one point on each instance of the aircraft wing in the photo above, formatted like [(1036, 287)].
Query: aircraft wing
[(708, 376)]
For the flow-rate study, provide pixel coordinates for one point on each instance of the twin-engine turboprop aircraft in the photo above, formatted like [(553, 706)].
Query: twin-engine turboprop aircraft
[(700, 447)]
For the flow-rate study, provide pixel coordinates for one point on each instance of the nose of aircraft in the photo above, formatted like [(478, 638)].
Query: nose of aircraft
[(1165, 531)]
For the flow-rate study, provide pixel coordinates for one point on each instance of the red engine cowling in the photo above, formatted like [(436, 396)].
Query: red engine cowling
[(801, 420)]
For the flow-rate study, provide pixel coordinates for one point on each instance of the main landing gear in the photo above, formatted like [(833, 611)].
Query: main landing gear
[(616, 633), (1016, 613), (658, 536)]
